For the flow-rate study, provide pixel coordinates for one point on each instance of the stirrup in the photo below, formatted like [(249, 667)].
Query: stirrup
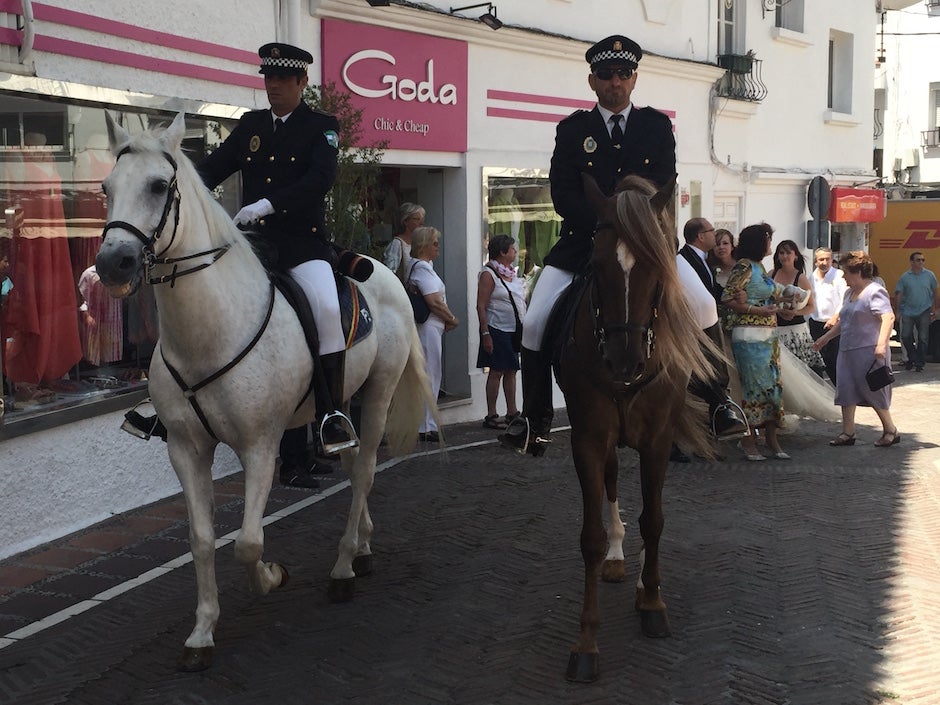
[(334, 448), (536, 446), (143, 427), (730, 403)]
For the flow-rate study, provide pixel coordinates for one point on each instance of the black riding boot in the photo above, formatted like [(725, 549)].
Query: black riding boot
[(529, 432), (726, 419), (336, 430)]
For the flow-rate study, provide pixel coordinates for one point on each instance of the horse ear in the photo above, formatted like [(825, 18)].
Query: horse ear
[(118, 137), (172, 137), (662, 198), (593, 192)]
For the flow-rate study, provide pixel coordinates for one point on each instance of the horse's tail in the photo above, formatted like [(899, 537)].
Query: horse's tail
[(412, 394)]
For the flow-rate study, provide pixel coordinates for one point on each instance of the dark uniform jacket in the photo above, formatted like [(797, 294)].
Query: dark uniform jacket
[(294, 169), (582, 144)]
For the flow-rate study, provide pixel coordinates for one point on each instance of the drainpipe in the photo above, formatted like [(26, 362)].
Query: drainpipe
[(26, 48)]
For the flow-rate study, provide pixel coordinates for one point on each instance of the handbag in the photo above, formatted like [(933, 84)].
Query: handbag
[(418, 303), (517, 333), (879, 377)]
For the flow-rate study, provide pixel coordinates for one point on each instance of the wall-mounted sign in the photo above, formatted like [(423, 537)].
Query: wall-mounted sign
[(412, 88), (856, 205)]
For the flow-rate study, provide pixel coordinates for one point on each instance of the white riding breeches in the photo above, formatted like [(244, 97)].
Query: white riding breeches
[(552, 281), (316, 279)]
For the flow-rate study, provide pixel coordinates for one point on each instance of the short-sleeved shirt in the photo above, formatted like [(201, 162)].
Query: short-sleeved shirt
[(917, 291), (860, 320)]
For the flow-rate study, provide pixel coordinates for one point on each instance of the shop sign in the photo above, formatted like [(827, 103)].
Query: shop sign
[(856, 205), (411, 88)]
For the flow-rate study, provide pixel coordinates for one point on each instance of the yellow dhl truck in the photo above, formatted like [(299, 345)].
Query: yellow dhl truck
[(910, 226)]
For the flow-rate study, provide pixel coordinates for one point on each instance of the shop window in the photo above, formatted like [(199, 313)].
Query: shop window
[(64, 342), (518, 203)]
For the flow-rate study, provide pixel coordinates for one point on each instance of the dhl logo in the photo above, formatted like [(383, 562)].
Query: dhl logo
[(921, 235)]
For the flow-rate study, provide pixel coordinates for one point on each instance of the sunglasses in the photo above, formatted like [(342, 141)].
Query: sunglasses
[(607, 74)]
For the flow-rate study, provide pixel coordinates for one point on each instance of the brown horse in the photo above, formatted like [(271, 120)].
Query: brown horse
[(624, 369)]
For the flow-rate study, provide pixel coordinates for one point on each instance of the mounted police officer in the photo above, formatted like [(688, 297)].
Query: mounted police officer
[(287, 157), (609, 142)]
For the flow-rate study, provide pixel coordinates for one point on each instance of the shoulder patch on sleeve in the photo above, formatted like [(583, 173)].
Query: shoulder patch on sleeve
[(332, 138)]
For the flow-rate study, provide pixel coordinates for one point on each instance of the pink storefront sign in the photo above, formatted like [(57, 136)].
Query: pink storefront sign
[(412, 88)]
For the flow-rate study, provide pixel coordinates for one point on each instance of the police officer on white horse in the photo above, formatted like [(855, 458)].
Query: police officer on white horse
[(287, 158)]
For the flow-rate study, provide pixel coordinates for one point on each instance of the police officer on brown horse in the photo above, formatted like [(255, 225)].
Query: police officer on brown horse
[(609, 142)]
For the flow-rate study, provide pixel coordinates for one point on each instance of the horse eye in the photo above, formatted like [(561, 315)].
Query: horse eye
[(104, 188), (159, 186)]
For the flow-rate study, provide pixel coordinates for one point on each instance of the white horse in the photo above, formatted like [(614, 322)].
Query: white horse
[(219, 313)]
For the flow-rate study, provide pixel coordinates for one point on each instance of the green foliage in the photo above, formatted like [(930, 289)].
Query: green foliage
[(359, 169)]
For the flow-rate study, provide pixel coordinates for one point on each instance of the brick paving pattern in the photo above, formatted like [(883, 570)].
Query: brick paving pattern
[(789, 582)]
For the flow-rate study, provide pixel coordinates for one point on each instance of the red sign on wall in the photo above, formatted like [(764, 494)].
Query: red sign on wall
[(856, 205), (412, 88)]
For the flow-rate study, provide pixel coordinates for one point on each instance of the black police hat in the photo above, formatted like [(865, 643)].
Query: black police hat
[(615, 50), (283, 60)]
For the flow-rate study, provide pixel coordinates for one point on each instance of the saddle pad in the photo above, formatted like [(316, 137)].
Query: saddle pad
[(354, 312)]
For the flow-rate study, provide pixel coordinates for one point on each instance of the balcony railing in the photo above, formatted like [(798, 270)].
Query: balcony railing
[(930, 138), (742, 79)]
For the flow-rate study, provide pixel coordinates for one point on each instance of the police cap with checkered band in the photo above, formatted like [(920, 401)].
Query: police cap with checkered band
[(614, 51), (283, 60)]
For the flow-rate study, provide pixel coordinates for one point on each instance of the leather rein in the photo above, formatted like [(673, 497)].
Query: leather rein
[(152, 260)]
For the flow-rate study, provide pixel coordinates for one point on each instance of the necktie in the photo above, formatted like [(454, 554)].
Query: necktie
[(616, 133), (278, 123)]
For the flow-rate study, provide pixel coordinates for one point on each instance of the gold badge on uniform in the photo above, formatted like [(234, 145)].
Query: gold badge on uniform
[(590, 145), (254, 144)]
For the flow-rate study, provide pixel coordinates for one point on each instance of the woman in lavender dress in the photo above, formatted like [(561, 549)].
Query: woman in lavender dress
[(865, 324)]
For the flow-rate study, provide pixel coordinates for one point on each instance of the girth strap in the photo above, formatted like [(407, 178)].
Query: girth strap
[(190, 391)]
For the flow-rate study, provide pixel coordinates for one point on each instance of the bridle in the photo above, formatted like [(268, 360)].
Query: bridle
[(152, 259), (602, 329)]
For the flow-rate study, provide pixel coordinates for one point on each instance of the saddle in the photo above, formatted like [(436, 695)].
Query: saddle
[(355, 315), (559, 329)]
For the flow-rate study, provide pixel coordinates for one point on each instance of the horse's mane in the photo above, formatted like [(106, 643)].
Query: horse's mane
[(197, 205), (646, 234)]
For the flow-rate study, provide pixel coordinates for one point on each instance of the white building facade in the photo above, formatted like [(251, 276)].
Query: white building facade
[(469, 115), (907, 99)]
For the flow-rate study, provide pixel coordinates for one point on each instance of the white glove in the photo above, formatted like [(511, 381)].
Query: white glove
[(254, 212)]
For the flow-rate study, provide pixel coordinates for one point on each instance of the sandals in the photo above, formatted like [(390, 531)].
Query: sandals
[(889, 438), (492, 421), (843, 439)]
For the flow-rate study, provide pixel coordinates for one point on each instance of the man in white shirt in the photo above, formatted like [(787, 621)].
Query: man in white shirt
[(828, 292), (701, 292)]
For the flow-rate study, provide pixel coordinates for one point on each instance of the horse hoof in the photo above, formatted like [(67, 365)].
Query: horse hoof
[(614, 571), (655, 625), (341, 589), (285, 576), (195, 659), (583, 668), (362, 565)]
